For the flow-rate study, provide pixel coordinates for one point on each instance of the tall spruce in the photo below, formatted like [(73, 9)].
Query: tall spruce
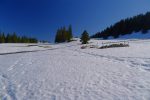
[(3, 38), (85, 37), (70, 33), (8, 38), (0, 38), (57, 36), (14, 38)]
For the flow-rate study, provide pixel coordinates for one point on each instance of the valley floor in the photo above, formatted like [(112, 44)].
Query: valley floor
[(66, 72)]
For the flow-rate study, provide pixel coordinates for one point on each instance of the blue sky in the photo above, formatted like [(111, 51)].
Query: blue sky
[(41, 18)]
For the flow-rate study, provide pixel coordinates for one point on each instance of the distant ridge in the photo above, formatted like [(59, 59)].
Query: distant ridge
[(135, 24)]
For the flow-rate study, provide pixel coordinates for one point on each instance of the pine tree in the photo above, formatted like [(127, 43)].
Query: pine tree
[(14, 38), (3, 38), (63, 35), (70, 36), (8, 38), (85, 37), (0, 38), (126, 26), (58, 36)]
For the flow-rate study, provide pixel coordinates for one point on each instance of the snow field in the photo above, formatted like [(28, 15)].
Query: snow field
[(66, 72)]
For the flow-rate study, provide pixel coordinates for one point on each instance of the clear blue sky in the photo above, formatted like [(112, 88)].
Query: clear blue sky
[(41, 18)]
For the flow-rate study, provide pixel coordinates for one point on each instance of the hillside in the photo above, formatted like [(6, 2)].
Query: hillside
[(66, 72), (136, 24), (134, 35)]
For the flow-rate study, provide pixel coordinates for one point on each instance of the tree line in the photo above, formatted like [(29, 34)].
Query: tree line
[(64, 35), (13, 38), (126, 26)]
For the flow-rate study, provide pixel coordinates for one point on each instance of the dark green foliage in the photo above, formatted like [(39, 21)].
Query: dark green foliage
[(70, 36), (13, 38), (127, 26), (85, 37), (2, 38), (8, 38), (63, 35)]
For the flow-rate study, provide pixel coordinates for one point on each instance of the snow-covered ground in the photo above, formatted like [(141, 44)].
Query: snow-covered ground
[(66, 72), (14, 48), (134, 35)]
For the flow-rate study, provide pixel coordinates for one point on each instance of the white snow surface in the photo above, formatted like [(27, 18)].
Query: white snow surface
[(66, 72)]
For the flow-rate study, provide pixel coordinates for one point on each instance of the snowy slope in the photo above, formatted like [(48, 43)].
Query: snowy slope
[(66, 72), (138, 35)]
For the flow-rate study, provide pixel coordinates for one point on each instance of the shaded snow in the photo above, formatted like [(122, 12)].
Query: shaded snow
[(66, 72), (138, 35), (134, 35)]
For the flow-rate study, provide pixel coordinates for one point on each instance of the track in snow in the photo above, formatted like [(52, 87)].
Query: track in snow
[(143, 63)]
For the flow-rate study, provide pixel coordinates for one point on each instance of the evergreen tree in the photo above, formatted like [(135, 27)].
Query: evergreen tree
[(14, 38), (0, 38), (57, 37), (85, 37), (8, 38), (139, 23), (63, 35), (3, 38), (70, 36)]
